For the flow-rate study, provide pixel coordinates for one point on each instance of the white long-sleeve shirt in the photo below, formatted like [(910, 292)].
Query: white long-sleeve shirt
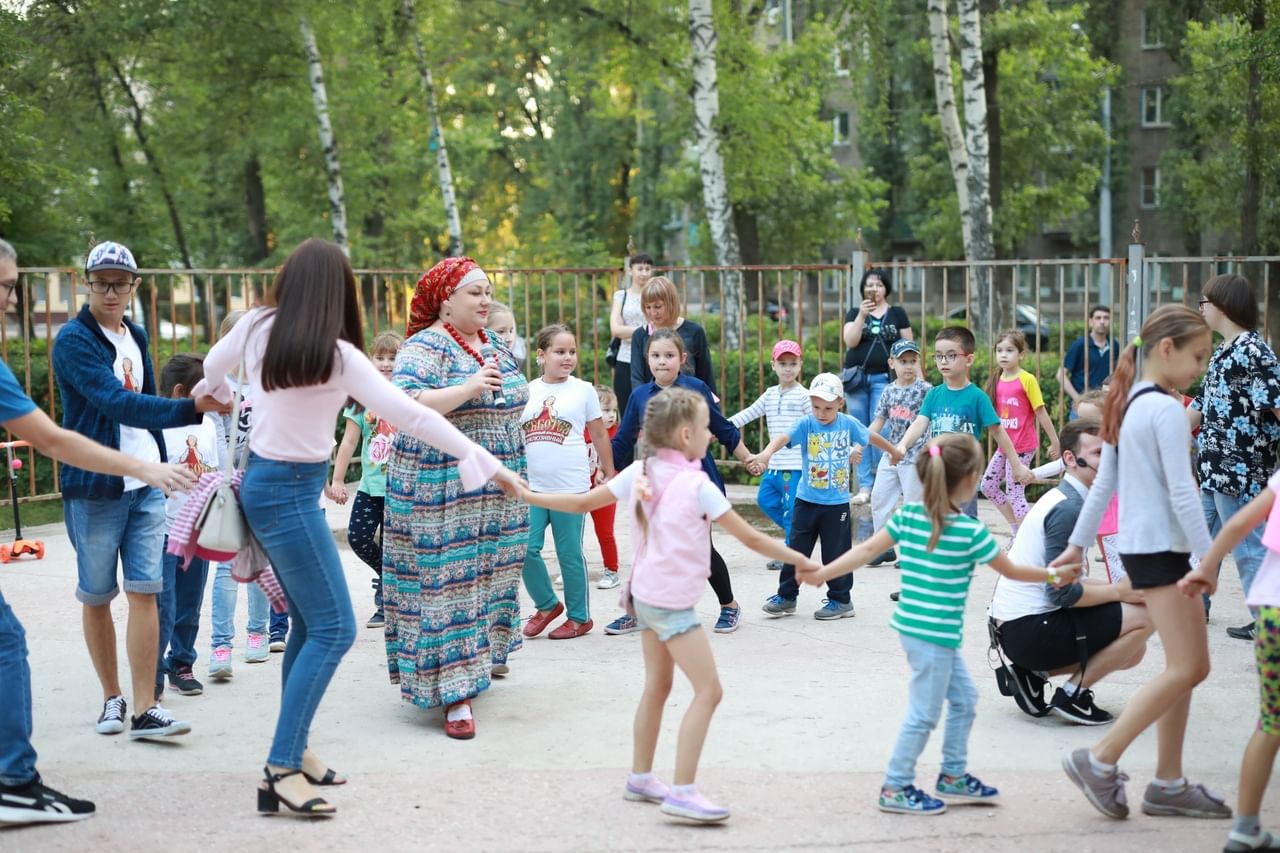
[(781, 409), (296, 424), (1160, 506)]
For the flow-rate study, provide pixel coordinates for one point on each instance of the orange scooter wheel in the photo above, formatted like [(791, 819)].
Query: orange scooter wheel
[(39, 550), (6, 553)]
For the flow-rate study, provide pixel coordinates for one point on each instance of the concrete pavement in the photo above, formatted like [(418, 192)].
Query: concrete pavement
[(797, 749)]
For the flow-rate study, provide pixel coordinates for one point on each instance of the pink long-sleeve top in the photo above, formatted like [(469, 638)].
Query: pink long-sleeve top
[(296, 424)]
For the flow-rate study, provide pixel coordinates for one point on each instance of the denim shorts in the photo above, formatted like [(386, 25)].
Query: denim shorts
[(664, 622), (129, 532)]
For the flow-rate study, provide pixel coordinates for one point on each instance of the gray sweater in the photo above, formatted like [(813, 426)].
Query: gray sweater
[(1160, 506)]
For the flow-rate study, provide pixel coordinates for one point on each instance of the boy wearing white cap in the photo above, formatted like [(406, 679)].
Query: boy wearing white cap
[(781, 406), (829, 441)]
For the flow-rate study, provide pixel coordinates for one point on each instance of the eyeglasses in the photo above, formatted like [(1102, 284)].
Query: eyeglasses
[(8, 287), (1204, 302), (99, 286), (945, 357)]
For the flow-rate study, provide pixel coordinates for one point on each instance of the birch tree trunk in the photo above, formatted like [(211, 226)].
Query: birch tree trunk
[(437, 130), (977, 142), (715, 185), (337, 200), (944, 89)]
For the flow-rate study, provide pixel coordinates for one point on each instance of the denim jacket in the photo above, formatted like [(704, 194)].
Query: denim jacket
[(96, 405)]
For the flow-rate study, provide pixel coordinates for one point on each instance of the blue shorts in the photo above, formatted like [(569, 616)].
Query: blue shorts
[(129, 532), (664, 622)]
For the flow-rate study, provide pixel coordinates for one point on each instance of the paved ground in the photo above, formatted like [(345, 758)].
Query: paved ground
[(797, 749)]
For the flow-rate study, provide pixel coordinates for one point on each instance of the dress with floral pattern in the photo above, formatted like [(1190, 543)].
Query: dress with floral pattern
[(1238, 433), (452, 560)]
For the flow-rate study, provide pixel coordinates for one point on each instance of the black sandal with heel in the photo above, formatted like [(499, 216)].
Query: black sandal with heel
[(269, 800), (329, 779)]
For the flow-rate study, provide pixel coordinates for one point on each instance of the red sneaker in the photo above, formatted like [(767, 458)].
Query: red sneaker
[(571, 629), (539, 621)]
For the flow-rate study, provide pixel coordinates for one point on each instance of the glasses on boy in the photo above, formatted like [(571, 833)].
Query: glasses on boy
[(122, 287)]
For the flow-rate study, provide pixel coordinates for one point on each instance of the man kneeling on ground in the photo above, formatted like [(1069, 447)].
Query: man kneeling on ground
[(1086, 630)]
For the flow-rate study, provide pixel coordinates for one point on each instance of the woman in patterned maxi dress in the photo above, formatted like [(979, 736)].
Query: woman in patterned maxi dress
[(452, 560)]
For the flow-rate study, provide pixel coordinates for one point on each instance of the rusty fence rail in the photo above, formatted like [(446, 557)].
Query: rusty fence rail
[(182, 309)]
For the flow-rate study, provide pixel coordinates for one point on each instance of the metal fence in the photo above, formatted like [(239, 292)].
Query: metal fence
[(1050, 298)]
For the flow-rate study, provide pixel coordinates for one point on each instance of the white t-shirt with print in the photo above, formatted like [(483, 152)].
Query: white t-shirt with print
[(134, 442), (553, 423), (196, 447)]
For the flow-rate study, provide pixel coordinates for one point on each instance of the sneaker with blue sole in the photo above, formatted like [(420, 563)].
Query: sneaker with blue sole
[(965, 789), (832, 609), (728, 623), (779, 606), (910, 800)]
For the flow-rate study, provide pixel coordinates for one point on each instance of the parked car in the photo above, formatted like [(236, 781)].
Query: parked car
[(1028, 321)]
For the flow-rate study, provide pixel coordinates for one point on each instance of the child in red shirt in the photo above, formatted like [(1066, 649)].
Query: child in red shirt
[(602, 518)]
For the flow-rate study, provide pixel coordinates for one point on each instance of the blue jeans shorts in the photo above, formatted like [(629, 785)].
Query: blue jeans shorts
[(664, 622), (129, 532)]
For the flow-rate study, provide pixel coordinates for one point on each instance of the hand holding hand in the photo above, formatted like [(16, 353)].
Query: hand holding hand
[(1023, 474), (1055, 451), (896, 455), (168, 478), (207, 404), (1202, 580), (509, 482), (855, 454), (1072, 555), (1067, 574), (336, 492)]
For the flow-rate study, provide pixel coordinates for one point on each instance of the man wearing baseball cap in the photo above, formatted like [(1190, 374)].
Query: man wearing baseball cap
[(829, 441), (781, 406), (108, 394)]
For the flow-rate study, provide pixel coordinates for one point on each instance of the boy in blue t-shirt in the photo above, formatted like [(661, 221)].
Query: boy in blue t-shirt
[(957, 405), (829, 441)]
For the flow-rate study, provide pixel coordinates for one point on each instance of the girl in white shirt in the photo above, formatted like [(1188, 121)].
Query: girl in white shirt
[(1161, 525), (560, 410)]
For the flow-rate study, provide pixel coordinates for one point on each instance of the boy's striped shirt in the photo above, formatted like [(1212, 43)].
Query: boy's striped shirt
[(935, 584)]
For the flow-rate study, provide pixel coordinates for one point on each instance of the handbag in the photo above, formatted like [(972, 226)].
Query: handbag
[(854, 378), (221, 522), (611, 356)]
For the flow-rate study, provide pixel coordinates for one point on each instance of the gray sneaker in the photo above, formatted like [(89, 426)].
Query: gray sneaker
[(832, 609), (1106, 793), (1193, 800), (779, 606)]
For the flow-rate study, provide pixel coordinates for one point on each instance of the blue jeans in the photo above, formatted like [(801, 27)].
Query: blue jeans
[(777, 497), (281, 502), (178, 608), (129, 529), (223, 615), (862, 405), (937, 674), (566, 529), (1218, 508), (17, 755)]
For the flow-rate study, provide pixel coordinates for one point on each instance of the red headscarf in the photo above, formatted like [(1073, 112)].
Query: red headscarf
[(433, 289)]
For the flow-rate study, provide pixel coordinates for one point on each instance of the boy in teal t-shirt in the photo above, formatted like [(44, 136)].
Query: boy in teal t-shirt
[(957, 405)]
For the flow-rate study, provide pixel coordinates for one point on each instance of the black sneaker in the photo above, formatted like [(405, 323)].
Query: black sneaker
[(893, 596), (185, 682), (774, 565), (36, 802), (889, 556), (377, 620), (1026, 688), (111, 720), (1079, 708), (157, 722), (1244, 632)]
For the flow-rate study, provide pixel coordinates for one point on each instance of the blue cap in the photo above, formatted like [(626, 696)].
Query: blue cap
[(903, 346), (110, 256)]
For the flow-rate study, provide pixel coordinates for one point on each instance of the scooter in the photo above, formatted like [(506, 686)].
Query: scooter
[(19, 547)]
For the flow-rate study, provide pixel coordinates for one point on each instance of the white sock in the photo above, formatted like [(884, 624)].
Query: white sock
[(1171, 784), (1070, 688), (641, 778), (458, 712), (1099, 767), (683, 790)]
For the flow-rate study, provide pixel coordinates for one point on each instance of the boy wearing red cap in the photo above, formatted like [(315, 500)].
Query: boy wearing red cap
[(781, 406)]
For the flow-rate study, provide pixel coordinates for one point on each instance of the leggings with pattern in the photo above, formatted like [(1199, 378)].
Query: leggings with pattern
[(364, 535), (1266, 645), (1000, 473)]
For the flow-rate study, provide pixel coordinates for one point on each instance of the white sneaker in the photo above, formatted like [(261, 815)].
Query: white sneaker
[(609, 580)]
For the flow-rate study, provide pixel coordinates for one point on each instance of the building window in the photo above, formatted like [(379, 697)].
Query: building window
[(1155, 106), (840, 129), (1152, 29), (842, 60), (1150, 188)]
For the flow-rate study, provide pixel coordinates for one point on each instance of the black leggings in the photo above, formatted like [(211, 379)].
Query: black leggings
[(364, 535), (719, 579)]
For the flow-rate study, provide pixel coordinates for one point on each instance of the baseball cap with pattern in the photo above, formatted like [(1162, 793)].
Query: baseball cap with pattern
[(903, 346), (110, 256), (826, 386), (786, 347)]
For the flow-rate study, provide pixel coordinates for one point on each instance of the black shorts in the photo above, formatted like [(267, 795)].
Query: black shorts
[(1162, 568), (1047, 641)]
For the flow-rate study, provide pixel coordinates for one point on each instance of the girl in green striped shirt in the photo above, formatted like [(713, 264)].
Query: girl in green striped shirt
[(939, 548)]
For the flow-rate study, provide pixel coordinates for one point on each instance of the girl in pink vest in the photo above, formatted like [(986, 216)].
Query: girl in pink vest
[(671, 503)]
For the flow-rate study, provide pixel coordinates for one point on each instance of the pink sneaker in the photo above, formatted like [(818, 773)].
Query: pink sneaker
[(220, 664), (256, 650), (653, 790), (693, 806)]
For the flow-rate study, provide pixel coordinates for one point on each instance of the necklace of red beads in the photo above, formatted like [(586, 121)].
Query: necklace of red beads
[(470, 350)]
